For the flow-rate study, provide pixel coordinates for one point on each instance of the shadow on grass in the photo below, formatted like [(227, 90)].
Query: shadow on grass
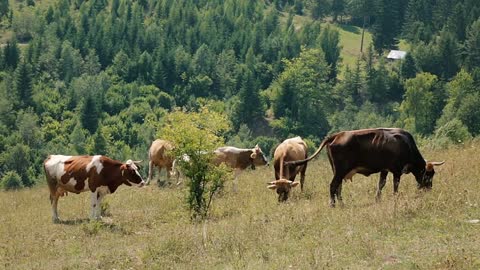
[(76, 221), (349, 28)]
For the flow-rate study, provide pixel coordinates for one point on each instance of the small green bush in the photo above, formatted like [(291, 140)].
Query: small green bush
[(11, 181), (454, 131)]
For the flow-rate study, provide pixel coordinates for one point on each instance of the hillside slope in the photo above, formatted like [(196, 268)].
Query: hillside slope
[(149, 228)]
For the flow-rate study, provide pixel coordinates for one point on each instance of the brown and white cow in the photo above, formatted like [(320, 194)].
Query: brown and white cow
[(239, 159), (98, 174), (369, 151), (160, 155), (292, 149)]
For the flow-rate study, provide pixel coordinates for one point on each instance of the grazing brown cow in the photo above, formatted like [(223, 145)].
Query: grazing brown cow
[(99, 174), (369, 151), (160, 154), (239, 159), (289, 150)]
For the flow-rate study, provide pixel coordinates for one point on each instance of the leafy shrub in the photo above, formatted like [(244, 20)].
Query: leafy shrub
[(11, 181), (454, 131), (197, 134)]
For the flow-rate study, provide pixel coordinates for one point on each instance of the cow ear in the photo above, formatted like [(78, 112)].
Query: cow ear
[(294, 184), (253, 155), (272, 187)]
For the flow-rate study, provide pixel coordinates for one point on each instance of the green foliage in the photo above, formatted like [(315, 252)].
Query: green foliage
[(472, 45), (419, 109), (19, 158), (4, 7), (11, 181), (197, 134), (249, 107), (462, 103), (454, 131), (89, 114), (23, 85), (301, 96), (117, 67), (329, 41)]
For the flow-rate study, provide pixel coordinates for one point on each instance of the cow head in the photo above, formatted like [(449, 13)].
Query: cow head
[(283, 187), (258, 158), (130, 173), (427, 174)]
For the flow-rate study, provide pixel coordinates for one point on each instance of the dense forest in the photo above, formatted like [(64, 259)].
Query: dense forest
[(99, 77)]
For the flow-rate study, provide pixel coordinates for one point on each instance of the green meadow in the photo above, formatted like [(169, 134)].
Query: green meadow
[(150, 228)]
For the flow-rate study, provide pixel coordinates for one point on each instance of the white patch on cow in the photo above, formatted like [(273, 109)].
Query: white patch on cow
[(97, 197), (56, 165), (133, 166), (95, 162), (231, 149)]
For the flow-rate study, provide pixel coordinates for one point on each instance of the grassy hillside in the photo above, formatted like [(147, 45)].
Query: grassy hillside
[(149, 228), (350, 40)]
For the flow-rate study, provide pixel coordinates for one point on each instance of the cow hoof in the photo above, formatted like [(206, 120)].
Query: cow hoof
[(56, 220)]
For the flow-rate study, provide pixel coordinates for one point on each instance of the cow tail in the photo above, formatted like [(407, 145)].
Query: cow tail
[(301, 162), (282, 165)]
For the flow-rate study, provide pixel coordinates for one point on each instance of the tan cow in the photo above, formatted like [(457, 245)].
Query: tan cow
[(289, 150), (98, 174), (160, 155), (240, 159)]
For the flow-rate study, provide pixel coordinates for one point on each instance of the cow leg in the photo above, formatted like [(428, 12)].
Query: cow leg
[(54, 195), (237, 173), (339, 193), (396, 182), (169, 172), (336, 182), (302, 176), (54, 202), (94, 205), (97, 197), (178, 177), (150, 172), (381, 184)]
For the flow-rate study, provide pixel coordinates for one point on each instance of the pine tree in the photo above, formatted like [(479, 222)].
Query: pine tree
[(408, 69), (472, 46), (23, 85), (4, 7), (329, 42), (100, 144), (77, 139), (89, 114), (11, 55), (250, 107)]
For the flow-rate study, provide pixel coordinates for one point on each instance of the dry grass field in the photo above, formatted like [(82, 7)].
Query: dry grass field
[(149, 228)]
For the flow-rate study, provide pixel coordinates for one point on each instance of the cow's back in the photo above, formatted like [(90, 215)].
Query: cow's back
[(291, 149), (158, 153), (376, 149)]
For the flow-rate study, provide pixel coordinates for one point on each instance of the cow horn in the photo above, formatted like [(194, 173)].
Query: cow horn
[(272, 187), (272, 182), (137, 161), (437, 163)]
